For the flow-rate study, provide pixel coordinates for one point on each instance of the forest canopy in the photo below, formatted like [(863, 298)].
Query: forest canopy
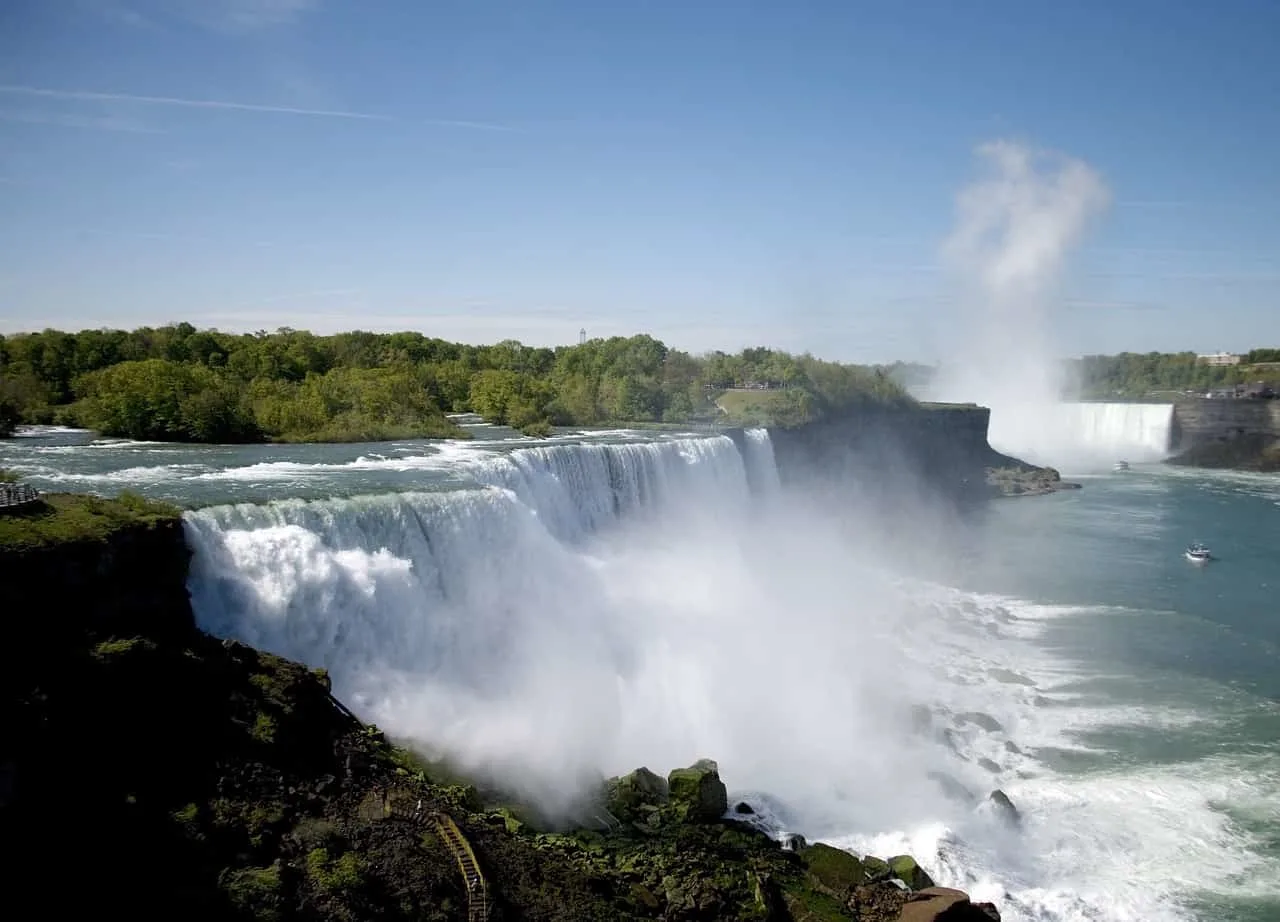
[(178, 383), (1135, 375)]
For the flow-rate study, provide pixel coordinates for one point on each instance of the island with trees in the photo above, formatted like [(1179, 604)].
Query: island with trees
[(178, 383)]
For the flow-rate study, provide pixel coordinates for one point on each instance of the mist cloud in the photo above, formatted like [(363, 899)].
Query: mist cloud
[(1016, 225)]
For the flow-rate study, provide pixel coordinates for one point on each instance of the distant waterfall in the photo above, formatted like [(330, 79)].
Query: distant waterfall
[(1083, 435), (1137, 431)]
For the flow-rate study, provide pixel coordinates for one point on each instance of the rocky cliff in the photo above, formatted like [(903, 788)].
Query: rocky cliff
[(1243, 434), (148, 768), (938, 449)]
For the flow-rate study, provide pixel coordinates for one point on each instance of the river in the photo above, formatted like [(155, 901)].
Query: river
[(550, 611)]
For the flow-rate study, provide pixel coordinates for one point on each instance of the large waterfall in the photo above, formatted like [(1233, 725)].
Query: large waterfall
[(1126, 430), (483, 620), (1083, 435), (546, 613)]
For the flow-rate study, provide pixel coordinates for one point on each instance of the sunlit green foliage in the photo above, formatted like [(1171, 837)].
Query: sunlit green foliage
[(177, 383), (1135, 375)]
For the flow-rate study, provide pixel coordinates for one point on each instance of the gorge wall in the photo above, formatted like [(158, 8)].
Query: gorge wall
[(1239, 433), (939, 449)]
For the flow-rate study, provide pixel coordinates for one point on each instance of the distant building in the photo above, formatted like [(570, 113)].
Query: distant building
[(1219, 358)]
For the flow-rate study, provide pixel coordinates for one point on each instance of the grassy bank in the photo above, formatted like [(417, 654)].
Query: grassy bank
[(67, 517)]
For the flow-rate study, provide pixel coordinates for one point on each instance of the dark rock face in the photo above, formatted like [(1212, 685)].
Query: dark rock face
[(876, 869), (905, 869), (697, 793), (135, 582), (935, 450), (629, 796), (1004, 806), (1240, 434), (834, 871)]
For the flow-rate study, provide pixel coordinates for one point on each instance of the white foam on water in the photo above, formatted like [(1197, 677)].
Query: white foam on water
[(594, 608)]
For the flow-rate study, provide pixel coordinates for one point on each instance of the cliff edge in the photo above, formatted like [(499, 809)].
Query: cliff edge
[(161, 769), (938, 449), (1237, 434)]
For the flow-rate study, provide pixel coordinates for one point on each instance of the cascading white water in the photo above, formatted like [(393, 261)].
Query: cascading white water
[(762, 471), (595, 608), (1081, 436), (473, 604), (1139, 431), (577, 489)]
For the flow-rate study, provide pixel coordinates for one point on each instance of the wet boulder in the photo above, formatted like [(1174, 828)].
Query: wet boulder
[(696, 793), (942, 904), (792, 842), (626, 796), (1004, 808), (905, 869), (877, 869), (833, 870)]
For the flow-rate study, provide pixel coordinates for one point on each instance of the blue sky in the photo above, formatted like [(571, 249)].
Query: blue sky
[(718, 174)]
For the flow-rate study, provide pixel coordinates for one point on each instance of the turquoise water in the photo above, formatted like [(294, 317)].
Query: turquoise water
[(1185, 658), (1127, 700)]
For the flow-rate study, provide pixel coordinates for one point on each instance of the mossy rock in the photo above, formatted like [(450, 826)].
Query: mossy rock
[(833, 870), (510, 821), (626, 796), (697, 794), (904, 868), (643, 896), (877, 869), (256, 892), (341, 875), (117, 650)]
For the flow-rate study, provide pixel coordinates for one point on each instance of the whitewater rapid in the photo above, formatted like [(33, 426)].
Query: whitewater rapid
[(579, 610)]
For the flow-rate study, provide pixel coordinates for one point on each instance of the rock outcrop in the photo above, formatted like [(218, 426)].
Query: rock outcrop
[(165, 772), (939, 450), (1005, 808), (635, 796), (697, 793), (905, 869), (941, 904)]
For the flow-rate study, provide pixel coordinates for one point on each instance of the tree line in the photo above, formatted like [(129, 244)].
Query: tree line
[(1136, 375), (179, 383)]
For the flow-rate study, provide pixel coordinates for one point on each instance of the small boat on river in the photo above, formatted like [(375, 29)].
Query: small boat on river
[(1198, 553)]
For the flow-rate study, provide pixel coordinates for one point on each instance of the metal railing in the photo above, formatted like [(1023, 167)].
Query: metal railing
[(16, 495)]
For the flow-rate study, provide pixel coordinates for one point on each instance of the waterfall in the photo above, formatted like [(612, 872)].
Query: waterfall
[(1139, 431), (762, 470), (1083, 435), (474, 617)]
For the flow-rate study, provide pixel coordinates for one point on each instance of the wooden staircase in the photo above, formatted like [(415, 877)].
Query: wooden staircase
[(460, 848), (477, 891)]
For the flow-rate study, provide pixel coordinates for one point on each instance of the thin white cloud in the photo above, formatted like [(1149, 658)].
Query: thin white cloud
[(89, 96), (89, 122), (228, 105)]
